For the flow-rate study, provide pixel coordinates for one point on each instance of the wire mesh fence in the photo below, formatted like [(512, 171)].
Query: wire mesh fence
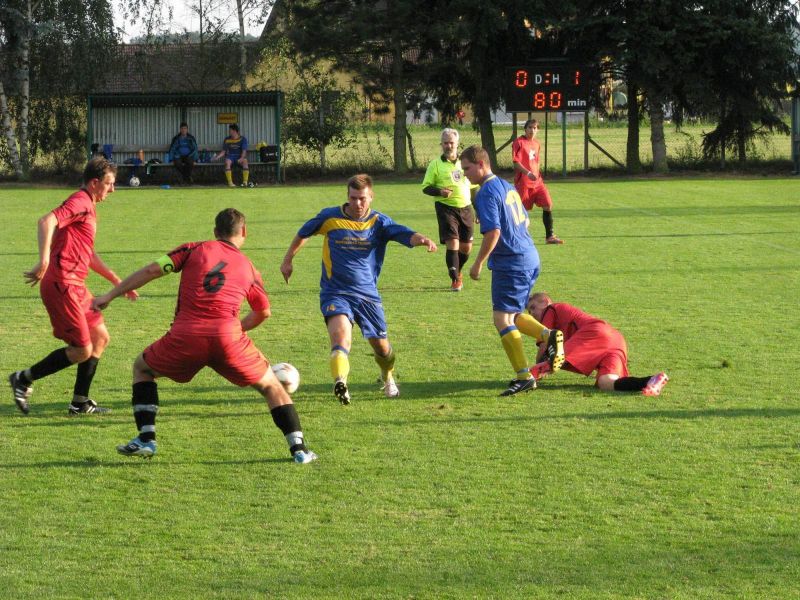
[(566, 150)]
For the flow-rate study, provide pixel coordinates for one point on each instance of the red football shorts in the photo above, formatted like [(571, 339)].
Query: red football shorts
[(597, 346), (180, 356), (615, 362), (70, 311), (537, 195)]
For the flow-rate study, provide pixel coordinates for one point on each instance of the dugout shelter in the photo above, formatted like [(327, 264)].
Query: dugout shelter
[(136, 130)]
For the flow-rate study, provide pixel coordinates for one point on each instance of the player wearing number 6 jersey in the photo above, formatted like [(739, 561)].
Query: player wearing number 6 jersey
[(207, 331), (514, 262)]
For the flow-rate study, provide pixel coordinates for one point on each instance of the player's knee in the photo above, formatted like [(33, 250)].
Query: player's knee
[(606, 382), (79, 354)]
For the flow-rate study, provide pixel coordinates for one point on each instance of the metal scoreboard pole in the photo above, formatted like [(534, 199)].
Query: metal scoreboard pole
[(564, 143)]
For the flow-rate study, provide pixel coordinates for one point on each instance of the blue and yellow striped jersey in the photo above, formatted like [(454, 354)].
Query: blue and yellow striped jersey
[(353, 250), (499, 207), (234, 147)]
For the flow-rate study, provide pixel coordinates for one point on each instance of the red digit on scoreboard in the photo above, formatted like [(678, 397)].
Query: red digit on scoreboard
[(577, 78), (555, 100), (539, 100), (521, 79)]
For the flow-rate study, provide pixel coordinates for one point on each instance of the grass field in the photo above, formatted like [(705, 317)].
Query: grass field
[(449, 491)]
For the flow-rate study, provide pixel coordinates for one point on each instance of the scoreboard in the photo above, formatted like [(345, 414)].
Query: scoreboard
[(547, 88)]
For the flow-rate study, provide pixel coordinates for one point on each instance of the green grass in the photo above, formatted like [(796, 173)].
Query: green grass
[(448, 492)]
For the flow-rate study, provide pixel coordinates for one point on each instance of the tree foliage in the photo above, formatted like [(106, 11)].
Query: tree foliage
[(55, 51), (318, 114), (378, 42)]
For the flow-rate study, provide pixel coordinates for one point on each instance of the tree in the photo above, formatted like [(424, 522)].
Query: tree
[(56, 51), (751, 62), (378, 42), (317, 114)]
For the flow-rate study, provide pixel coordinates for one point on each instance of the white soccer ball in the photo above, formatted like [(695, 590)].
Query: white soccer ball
[(288, 376), (134, 181)]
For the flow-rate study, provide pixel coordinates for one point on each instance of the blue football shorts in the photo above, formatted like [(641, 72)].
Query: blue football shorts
[(368, 315), (510, 289)]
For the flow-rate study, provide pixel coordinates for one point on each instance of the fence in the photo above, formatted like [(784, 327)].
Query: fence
[(372, 150)]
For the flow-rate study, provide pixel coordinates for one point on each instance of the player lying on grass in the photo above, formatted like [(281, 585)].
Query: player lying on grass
[(207, 332), (591, 344)]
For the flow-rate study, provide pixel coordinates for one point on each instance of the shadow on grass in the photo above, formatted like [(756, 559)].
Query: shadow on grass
[(136, 462)]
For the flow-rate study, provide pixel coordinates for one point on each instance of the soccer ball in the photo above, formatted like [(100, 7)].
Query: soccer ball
[(134, 181), (288, 376)]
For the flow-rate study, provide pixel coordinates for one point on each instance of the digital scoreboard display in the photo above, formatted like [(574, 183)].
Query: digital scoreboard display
[(546, 88)]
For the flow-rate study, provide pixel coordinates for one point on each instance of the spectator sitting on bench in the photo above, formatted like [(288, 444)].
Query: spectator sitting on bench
[(234, 149), (183, 152)]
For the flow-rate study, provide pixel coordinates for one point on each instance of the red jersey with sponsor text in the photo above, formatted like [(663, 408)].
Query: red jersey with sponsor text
[(215, 278), (526, 153), (72, 246)]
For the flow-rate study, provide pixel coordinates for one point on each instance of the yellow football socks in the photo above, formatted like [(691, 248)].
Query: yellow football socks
[(245, 176), (512, 344), (386, 363), (340, 364), (531, 327), (229, 177)]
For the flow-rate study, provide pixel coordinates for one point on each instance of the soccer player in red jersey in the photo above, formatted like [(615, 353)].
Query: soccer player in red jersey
[(525, 153), (66, 253), (591, 344), (207, 332)]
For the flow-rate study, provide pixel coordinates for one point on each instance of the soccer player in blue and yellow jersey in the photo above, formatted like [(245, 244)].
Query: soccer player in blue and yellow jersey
[(234, 149), (514, 263), (352, 256), (207, 332)]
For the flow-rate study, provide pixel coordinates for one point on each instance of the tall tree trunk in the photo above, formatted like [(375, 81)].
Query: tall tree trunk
[(242, 48), (741, 142), (483, 114), (24, 76), (632, 160), (399, 92), (8, 133), (483, 117), (657, 140)]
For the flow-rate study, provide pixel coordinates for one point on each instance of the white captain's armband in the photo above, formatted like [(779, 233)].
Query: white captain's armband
[(165, 262)]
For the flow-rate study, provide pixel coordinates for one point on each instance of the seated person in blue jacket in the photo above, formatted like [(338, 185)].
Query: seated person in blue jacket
[(234, 149), (183, 152)]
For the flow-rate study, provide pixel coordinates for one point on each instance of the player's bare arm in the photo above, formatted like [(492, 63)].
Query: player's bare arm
[(520, 169), (490, 239), (255, 318), (286, 266), (420, 240), (97, 265), (46, 228), (132, 282)]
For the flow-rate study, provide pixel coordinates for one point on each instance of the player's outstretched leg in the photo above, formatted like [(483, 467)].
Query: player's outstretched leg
[(145, 407), (22, 390), (555, 350), (341, 392), (516, 386), (655, 384), (137, 447)]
